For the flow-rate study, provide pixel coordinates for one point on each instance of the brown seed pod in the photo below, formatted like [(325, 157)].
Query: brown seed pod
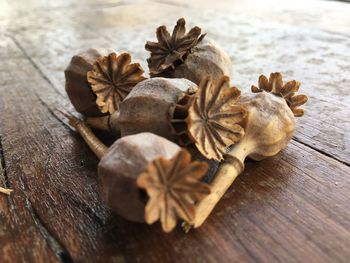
[(77, 86), (148, 108), (122, 164), (150, 162), (192, 56), (98, 79), (163, 169), (268, 127)]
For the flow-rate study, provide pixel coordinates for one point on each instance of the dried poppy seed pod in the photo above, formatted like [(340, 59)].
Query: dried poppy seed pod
[(268, 126), (147, 108), (120, 167), (98, 79), (192, 55), (150, 162), (206, 58), (77, 86)]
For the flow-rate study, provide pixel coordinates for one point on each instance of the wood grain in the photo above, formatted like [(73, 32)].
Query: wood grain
[(291, 208)]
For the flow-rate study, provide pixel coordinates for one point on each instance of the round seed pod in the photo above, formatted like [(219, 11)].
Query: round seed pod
[(207, 58), (120, 167), (149, 106), (269, 125), (99, 90), (77, 86), (270, 122), (192, 56)]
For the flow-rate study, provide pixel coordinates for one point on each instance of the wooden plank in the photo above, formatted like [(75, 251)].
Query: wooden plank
[(23, 237), (293, 207), (37, 148), (317, 58)]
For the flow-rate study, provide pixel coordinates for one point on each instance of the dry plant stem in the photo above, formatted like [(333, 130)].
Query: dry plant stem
[(89, 137), (100, 123), (5, 191), (227, 173)]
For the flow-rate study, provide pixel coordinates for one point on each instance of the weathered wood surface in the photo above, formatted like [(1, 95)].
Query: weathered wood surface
[(292, 208)]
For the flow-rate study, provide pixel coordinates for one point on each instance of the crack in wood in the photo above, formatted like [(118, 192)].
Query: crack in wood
[(86, 209), (52, 111), (55, 245), (3, 165), (60, 251), (4, 174), (27, 56), (320, 151)]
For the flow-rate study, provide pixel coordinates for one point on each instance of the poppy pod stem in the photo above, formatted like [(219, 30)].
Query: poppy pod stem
[(227, 173), (103, 123), (231, 167), (89, 137)]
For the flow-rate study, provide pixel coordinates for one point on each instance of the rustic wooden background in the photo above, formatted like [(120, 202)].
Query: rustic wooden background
[(294, 207)]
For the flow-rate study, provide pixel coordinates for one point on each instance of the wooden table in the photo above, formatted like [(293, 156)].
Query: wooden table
[(294, 207)]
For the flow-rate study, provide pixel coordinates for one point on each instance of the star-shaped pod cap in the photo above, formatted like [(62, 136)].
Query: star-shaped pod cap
[(287, 90), (173, 187), (210, 119), (171, 50), (112, 78)]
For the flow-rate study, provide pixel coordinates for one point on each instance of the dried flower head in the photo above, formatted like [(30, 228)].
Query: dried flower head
[(213, 118), (112, 78), (275, 85), (170, 50), (173, 187)]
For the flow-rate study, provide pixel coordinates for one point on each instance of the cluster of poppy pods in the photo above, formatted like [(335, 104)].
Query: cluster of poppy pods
[(183, 122)]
